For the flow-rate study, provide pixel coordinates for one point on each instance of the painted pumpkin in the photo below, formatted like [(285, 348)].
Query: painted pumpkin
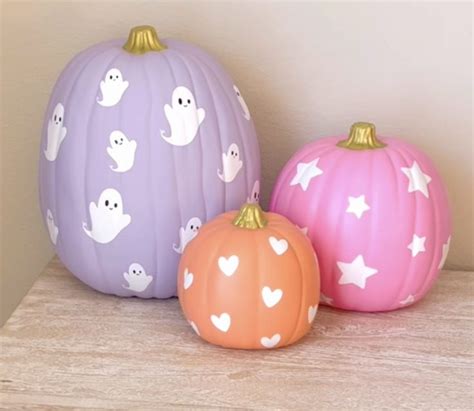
[(250, 280), (142, 143), (377, 214)]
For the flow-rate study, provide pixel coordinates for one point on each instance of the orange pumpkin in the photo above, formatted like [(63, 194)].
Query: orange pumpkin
[(249, 280)]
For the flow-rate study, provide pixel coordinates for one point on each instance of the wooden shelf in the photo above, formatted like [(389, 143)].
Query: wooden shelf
[(69, 346)]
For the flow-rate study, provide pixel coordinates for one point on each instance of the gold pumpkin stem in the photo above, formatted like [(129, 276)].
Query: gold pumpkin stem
[(250, 216), (362, 137), (143, 39)]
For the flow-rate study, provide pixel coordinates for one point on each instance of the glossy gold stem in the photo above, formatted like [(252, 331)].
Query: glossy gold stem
[(250, 216), (143, 39), (362, 137)]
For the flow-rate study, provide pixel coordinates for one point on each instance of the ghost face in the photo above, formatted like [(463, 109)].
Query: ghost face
[(186, 234), (233, 151), (106, 216), (58, 115), (137, 278), (183, 117), (231, 164), (122, 151), (183, 99), (49, 216), (110, 201), (193, 225), (117, 139), (113, 76), (242, 103), (255, 196), (56, 133), (112, 88), (237, 92), (136, 269)]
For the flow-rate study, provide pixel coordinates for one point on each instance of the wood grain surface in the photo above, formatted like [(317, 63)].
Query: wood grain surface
[(69, 346)]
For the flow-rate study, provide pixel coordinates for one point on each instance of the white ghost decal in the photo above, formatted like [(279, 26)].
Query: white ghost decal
[(187, 234), (255, 196), (112, 88), (137, 278), (52, 227), (183, 117), (107, 218), (242, 103), (122, 150), (231, 164), (56, 133)]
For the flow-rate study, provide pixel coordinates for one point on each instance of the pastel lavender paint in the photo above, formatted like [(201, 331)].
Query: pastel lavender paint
[(137, 151)]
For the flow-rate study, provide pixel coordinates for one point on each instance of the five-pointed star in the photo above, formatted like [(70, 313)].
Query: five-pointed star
[(357, 205), (355, 272), (418, 181), (325, 299), (445, 253), (409, 300), (305, 172), (304, 230), (417, 245)]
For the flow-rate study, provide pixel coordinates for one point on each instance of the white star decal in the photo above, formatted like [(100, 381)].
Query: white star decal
[(417, 245), (418, 181), (409, 300), (357, 205), (304, 230), (445, 253), (325, 299), (355, 272), (305, 172)]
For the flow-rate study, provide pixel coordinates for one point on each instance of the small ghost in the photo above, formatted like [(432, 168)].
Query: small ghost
[(112, 88), (122, 150), (255, 196), (137, 278), (183, 117), (52, 227), (231, 164), (187, 234), (107, 218), (242, 103), (56, 133)]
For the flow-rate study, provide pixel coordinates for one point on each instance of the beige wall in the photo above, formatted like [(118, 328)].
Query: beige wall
[(306, 69)]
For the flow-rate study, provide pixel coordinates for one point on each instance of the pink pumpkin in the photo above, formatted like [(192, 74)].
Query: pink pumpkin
[(377, 214)]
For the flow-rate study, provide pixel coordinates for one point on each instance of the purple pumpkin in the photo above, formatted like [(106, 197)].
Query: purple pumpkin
[(142, 143)]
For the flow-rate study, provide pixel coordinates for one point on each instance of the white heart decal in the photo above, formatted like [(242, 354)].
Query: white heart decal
[(279, 246), (271, 297), (312, 310), (270, 342), (188, 279), (222, 323), (194, 326), (228, 265), (325, 299)]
